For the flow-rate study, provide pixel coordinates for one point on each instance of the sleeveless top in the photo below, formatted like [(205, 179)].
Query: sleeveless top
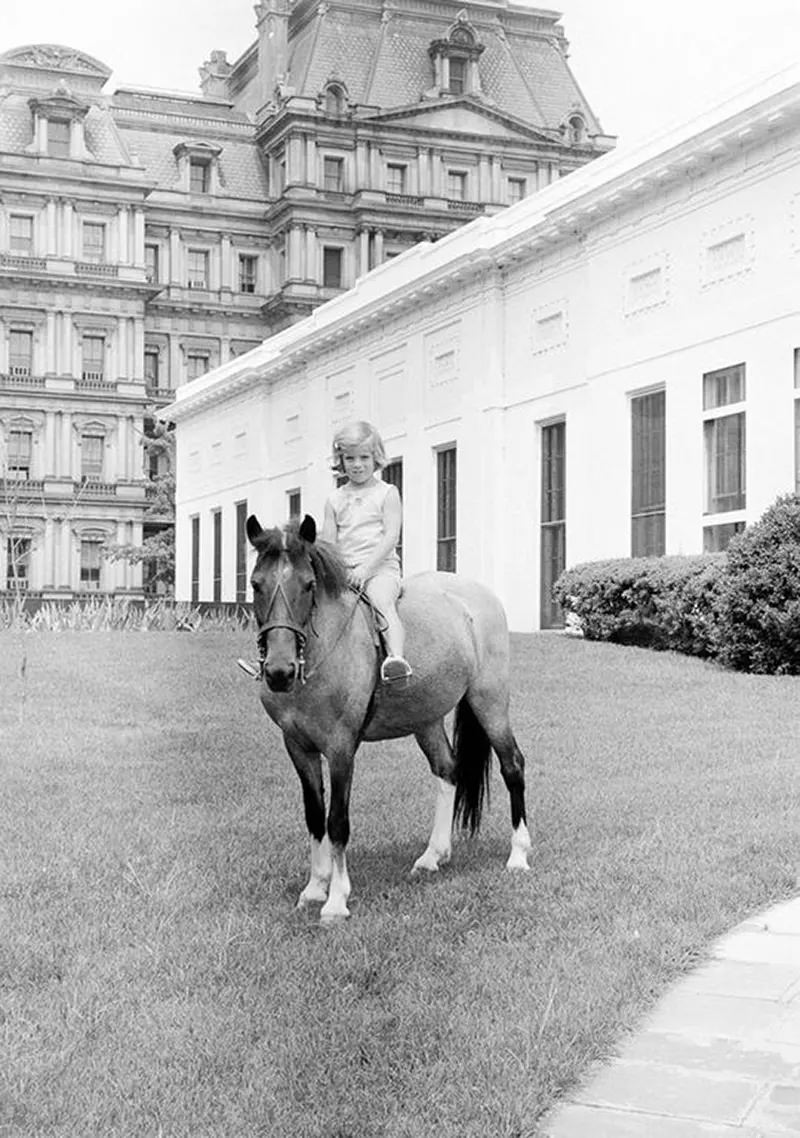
[(359, 523)]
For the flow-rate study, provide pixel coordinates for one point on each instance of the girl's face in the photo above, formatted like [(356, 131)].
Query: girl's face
[(359, 463)]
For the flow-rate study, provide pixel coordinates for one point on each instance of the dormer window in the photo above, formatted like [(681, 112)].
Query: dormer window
[(576, 130), (199, 167), (199, 176), (58, 132), (334, 99), (455, 60)]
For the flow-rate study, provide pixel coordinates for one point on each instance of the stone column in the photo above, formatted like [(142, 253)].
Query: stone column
[(374, 166), (378, 247), (311, 160), (119, 346), (174, 257), (312, 273), (484, 193), (138, 238), (67, 222), (294, 254), (137, 367), (123, 221), (363, 251), (66, 364), (49, 443), (51, 247), (118, 467), (66, 445), (50, 344), (361, 165), (294, 161), (226, 261)]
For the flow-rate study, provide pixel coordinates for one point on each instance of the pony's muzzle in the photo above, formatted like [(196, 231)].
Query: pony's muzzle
[(280, 677)]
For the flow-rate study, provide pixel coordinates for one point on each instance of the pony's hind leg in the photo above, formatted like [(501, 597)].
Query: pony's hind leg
[(308, 765), (491, 711), (436, 747)]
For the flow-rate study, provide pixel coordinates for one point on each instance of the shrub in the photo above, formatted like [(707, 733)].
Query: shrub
[(758, 624), (655, 602)]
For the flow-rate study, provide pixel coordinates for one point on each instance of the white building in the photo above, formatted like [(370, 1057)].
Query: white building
[(607, 367)]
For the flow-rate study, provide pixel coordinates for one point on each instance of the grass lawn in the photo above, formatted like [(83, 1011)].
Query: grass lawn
[(155, 978)]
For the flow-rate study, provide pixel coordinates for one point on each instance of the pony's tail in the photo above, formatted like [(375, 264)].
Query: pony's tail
[(472, 752)]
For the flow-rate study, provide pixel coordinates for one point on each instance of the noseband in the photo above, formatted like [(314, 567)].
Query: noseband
[(292, 624)]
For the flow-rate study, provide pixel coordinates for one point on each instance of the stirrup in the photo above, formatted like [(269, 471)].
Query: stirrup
[(395, 669)]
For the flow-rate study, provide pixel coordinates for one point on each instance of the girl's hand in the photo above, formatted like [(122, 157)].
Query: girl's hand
[(358, 578)]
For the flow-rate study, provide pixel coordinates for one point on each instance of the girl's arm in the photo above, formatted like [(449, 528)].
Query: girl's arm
[(329, 524), (392, 521)]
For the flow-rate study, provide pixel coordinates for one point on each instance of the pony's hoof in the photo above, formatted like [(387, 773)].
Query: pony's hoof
[(425, 864), (331, 919), (518, 863)]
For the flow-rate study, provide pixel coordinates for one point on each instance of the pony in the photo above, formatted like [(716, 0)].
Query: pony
[(319, 671)]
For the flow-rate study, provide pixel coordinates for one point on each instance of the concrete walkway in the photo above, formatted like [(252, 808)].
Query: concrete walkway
[(718, 1058)]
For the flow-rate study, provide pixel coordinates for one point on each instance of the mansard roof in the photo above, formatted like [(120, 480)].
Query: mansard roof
[(381, 53)]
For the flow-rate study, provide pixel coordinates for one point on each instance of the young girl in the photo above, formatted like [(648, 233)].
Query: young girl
[(363, 518)]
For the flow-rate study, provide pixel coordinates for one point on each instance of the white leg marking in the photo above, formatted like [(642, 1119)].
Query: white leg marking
[(317, 888), (335, 908), (520, 845), (439, 846)]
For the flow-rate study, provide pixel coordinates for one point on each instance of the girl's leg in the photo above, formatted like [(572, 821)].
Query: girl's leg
[(383, 590)]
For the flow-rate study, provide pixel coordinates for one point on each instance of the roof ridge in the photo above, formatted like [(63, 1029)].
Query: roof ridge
[(503, 40), (321, 10), (378, 49)]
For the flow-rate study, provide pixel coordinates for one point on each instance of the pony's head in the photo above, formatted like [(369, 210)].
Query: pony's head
[(291, 569)]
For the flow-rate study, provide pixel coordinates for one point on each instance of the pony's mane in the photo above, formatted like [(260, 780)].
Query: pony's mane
[(326, 562)]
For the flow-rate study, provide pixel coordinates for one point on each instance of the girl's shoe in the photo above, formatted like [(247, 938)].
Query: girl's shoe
[(395, 669)]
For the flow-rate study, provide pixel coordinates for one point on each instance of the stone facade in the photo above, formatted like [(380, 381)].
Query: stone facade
[(147, 237), (611, 367)]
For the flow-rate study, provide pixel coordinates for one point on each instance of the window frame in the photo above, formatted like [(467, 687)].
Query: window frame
[(90, 372), (333, 184), (197, 258), (648, 473), (457, 179), (21, 245), (94, 251), (19, 460), (20, 363), (90, 574), (248, 273), (328, 253), (447, 508), (201, 167), (59, 147)]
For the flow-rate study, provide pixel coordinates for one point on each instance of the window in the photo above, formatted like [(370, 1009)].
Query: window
[(797, 421), (446, 510), (395, 179), (21, 234), (457, 185), (648, 475), (293, 503), (93, 352), (151, 263), (20, 352), (20, 451), (90, 563), (199, 176), (331, 267), (458, 76), (18, 556), (577, 130), (196, 364), (393, 474), (197, 264), (92, 457), (195, 563), (94, 241), (553, 520), (716, 538), (241, 553), (151, 368), (58, 132), (217, 567), (333, 173), (334, 100), (516, 190), (247, 274), (724, 440)]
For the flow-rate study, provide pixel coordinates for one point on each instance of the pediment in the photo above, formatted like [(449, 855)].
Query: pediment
[(50, 59), (462, 118)]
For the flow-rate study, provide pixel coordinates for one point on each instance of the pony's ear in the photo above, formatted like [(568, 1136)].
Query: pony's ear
[(308, 529), (253, 528)]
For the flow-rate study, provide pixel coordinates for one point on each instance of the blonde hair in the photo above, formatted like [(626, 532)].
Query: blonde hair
[(359, 433)]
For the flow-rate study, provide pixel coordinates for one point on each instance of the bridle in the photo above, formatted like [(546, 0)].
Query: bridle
[(292, 624)]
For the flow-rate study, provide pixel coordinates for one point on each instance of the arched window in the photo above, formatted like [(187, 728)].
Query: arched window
[(577, 129), (334, 99)]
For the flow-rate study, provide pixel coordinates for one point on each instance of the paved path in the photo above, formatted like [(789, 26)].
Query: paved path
[(718, 1058)]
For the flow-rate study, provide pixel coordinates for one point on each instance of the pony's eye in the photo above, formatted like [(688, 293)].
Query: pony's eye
[(308, 586)]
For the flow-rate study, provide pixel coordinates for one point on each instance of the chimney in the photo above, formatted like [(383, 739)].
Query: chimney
[(272, 24)]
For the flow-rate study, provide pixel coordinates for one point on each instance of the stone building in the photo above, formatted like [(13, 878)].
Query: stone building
[(609, 368), (147, 236)]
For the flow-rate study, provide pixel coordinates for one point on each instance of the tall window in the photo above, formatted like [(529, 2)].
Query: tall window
[(293, 505), (446, 510), (241, 552), (247, 273), (90, 563), (333, 173), (797, 420), (20, 352), (516, 190), (724, 439), (199, 176), (553, 520), (216, 579), (334, 100), (93, 350), (458, 76), (94, 241), (393, 474), (151, 263), (92, 457), (197, 265), (20, 234), (20, 451), (151, 368), (196, 364), (457, 185), (331, 267), (58, 133), (395, 179), (648, 474), (195, 564), (18, 557)]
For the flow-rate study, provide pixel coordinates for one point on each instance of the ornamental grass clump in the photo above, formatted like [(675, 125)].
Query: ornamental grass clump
[(758, 618)]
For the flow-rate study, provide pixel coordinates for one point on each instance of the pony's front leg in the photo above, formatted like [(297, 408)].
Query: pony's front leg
[(341, 770), (308, 764)]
